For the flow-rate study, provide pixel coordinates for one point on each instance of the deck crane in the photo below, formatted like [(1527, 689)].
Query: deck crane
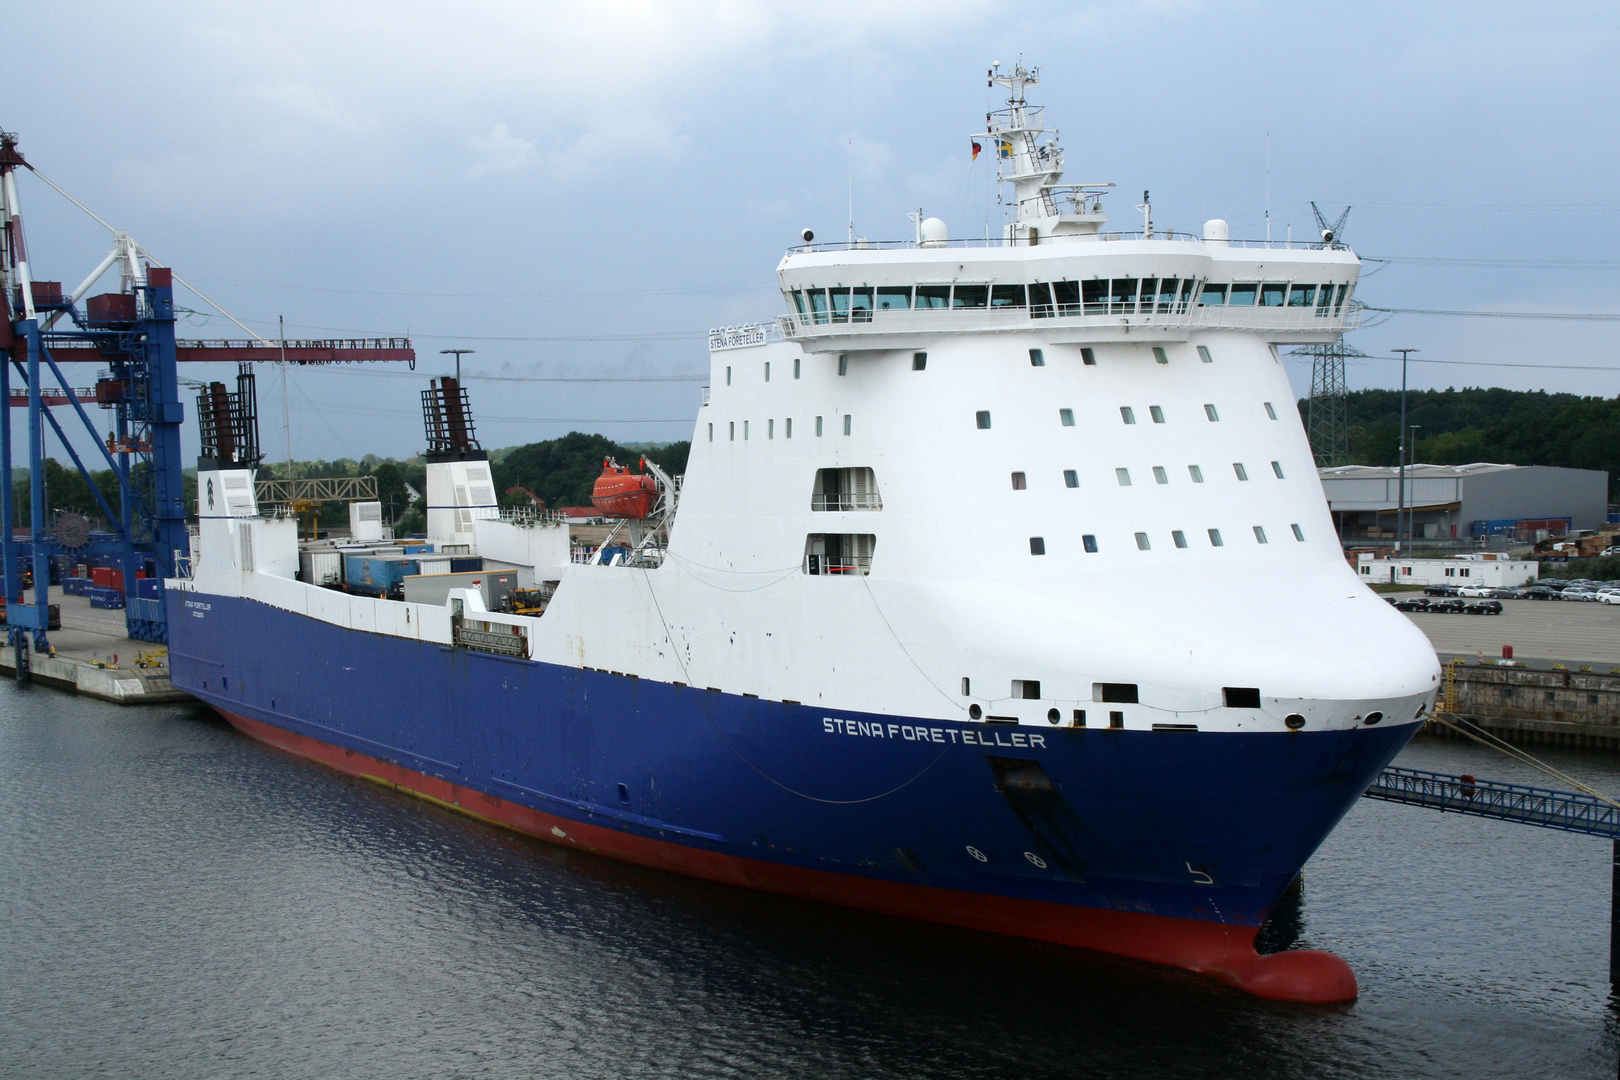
[(131, 333)]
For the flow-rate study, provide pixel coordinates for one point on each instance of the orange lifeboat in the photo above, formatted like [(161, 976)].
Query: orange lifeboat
[(620, 493)]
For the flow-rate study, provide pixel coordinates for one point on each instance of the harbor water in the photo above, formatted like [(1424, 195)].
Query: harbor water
[(177, 900)]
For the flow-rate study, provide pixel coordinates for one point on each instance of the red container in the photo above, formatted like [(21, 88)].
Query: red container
[(101, 577), (46, 292), (111, 308)]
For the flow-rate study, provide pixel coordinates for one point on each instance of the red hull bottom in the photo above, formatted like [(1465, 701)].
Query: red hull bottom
[(1225, 952)]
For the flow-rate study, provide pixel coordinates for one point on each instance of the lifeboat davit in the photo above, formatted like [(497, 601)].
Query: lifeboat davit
[(620, 493)]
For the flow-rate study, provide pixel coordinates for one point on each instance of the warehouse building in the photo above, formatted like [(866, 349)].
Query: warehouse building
[(1463, 502)]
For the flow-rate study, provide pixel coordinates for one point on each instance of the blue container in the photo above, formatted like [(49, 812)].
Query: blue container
[(418, 549), (466, 565), (377, 575), (105, 598), (149, 588), (75, 586)]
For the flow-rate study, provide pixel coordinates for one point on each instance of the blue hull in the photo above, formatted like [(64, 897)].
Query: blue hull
[(1190, 826)]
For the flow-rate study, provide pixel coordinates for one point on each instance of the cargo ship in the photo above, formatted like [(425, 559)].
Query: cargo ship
[(999, 590)]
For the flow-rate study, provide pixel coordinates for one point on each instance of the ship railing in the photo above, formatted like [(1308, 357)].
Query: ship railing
[(1110, 315), (1116, 236), (821, 564), (530, 515), (847, 500)]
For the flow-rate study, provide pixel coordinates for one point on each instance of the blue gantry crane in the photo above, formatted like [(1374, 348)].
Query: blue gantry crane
[(131, 334)]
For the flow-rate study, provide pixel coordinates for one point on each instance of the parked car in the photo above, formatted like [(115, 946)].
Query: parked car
[(1413, 603), (1508, 592), (1448, 607), (1612, 597), (1475, 590), (1579, 594), (1485, 607), (1439, 590), (1542, 592)]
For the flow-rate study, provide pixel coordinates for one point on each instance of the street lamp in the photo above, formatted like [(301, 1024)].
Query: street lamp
[(460, 352), (1400, 506)]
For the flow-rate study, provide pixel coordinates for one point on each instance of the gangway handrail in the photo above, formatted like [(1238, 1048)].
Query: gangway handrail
[(1548, 808)]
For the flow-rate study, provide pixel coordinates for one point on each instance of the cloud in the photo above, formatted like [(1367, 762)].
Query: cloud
[(500, 152), (304, 102)]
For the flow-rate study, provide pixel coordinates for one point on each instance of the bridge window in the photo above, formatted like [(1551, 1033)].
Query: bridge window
[(798, 300), (892, 298), (933, 296), (970, 296), (1243, 294), (1040, 301), (1007, 296), (840, 304), (839, 553), (1212, 296), (860, 304), (1301, 295), (1344, 292), (1272, 294), (853, 488), (818, 304), (1324, 300), (1096, 297), (1066, 295)]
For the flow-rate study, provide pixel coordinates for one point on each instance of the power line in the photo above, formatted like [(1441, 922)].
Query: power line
[(558, 295), (1568, 316), (1502, 264), (1500, 363)]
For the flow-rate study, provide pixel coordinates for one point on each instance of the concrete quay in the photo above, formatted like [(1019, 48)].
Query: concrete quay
[(91, 655)]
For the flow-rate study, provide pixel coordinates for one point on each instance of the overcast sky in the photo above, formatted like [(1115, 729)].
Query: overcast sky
[(584, 189)]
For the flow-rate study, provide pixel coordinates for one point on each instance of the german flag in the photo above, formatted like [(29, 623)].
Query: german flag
[(976, 149)]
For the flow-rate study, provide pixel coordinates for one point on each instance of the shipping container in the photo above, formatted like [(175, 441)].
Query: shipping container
[(435, 566), (418, 549), (434, 589), (462, 565), (105, 598), (149, 589), (111, 309), (377, 575), (107, 577), (320, 567)]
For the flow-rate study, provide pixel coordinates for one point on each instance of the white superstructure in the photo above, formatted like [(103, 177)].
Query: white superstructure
[(1056, 478)]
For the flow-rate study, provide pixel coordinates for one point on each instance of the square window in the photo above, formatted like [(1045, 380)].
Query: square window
[(1088, 358), (1209, 411), (1018, 481), (1079, 718), (982, 419), (1179, 537), (1215, 538), (1066, 417), (1259, 535), (1142, 542), (1157, 414), (847, 421), (919, 361), (1270, 411), (1242, 473), (1276, 467), (787, 428), (1158, 354), (1124, 477), (1026, 689), (1299, 534), (1126, 414), (1116, 718), (1036, 358), (1071, 478), (1196, 473), (1089, 542), (843, 363), (818, 427), (796, 361), (1203, 354), (1037, 545), (1160, 475), (767, 371), (728, 376)]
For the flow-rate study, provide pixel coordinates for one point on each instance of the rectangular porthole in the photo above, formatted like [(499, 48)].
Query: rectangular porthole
[(1079, 718), (843, 363), (1242, 473), (1215, 538), (982, 419), (966, 686), (1142, 543), (733, 434), (728, 376), (767, 371), (1240, 697), (1088, 357), (1127, 414), (787, 428), (1159, 475), (1196, 473), (1276, 467), (1158, 355), (1118, 693), (1018, 481), (1123, 476), (847, 422), (1270, 411), (745, 431), (1037, 545), (818, 427), (1116, 719), (770, 429), (1071, 478), (1203, 354), (1026, 689), (796, 362), (919, 361), (1156, 413), (1209, 411), (1036, 358), (1089, 542), (1066, 417), (1299, 534), (1179, 537), (1259, 534), (711, 433)]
